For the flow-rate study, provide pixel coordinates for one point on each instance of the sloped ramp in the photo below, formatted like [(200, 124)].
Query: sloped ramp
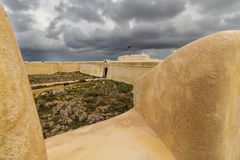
[(125, 137)]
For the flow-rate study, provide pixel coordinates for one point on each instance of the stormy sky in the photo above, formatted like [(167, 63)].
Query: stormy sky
[(72, 30)]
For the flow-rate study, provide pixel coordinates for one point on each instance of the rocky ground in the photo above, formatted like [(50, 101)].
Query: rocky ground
[(81, 104), (58, 77)]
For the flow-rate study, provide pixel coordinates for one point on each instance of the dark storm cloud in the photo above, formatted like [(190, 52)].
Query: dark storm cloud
[(80, 10), (141, 36), (139, 10), (18, 5), (206, 25), (217, 6), (154, 25), (144, 10), (21, 21), (88, 10), (145, 32), (233, 21)]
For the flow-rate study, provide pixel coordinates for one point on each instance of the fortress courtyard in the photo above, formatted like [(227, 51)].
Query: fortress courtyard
[(185, 106)]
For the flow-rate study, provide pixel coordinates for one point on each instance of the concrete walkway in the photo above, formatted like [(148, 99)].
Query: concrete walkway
[(124, 137)]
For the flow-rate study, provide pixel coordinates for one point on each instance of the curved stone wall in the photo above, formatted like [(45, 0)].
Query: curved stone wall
[(192, 99), (20, 132)]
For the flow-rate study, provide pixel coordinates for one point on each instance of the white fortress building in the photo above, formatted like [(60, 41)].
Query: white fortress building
[(136, 57)]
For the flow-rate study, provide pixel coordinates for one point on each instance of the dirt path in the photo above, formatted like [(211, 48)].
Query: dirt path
[(36, 92), (39, 88)]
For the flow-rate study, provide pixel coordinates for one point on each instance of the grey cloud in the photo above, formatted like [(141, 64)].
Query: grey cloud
[(34, 40), (233, 21), (144, 10), (140, 10), (54, 30), (21, 22), (19, 5), (121, 12), (74, 12), (154, 29), (143, 34), (81, 10), (158, 35), (198, 28), (217, 6)]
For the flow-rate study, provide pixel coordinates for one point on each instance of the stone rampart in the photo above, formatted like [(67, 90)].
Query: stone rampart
[(20, 131), (192, 99), (120, 71)]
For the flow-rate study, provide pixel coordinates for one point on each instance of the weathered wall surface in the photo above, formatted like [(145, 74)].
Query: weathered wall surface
[(192, 99), (128, 71), (51, 67), (120, 71), (20, 132), (92, 68)]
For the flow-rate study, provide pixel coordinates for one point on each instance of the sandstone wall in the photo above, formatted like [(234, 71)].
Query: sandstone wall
[(51, 67), (120, 71), (192, 99), (92, 68), (136, 58), (20, 132), (128, 71)]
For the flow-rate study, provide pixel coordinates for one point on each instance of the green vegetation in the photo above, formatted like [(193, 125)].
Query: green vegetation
[(58, 77), (81, 104)]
